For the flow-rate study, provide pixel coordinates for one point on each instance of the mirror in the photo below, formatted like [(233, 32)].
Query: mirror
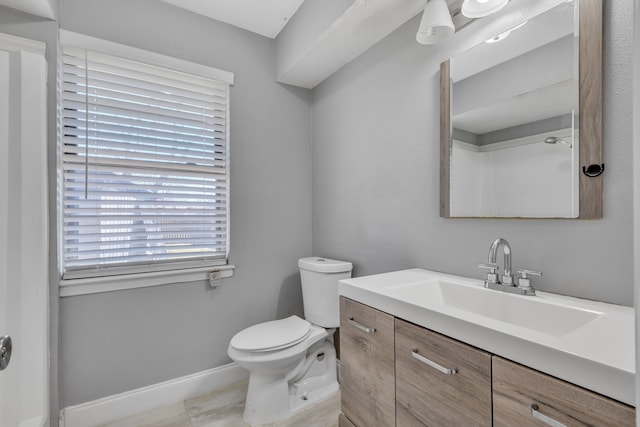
[(521, 120)]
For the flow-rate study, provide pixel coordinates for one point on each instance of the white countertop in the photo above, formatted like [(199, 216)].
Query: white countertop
[(599, 355)]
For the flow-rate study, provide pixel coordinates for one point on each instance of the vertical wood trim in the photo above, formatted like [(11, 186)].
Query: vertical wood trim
[(590, 106), (445, 139)]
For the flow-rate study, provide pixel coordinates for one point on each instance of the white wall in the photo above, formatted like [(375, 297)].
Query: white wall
[(507, 179), (470, 193), (376, 173)]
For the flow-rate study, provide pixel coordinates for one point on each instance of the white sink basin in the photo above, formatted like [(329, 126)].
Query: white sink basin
[(588, 343), (525, 311)]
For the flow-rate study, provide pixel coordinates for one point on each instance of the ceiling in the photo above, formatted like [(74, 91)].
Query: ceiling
[(327, 33), (548, 90), (264, 17), (315, 38), (42, 8)]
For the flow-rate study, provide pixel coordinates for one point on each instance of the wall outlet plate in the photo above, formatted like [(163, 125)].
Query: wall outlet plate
[(214, 278)]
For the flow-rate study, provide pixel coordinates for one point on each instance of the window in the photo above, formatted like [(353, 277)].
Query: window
[(144, 161)]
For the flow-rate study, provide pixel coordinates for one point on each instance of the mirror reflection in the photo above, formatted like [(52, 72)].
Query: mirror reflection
[(514, 121)]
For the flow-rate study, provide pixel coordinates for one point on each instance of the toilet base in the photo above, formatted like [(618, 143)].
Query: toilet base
[(298, 404), (274, 398)]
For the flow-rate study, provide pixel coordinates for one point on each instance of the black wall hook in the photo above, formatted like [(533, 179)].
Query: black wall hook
[(593, 170)]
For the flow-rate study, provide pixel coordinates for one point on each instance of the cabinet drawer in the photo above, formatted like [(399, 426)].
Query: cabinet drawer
[(516, 388), (368, 381), (427, 396)]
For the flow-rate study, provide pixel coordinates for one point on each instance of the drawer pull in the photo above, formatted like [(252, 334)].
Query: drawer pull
[(446, 371), (361, 326), (542, 417)]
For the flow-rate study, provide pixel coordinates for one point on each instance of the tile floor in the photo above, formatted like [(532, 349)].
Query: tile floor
[(223, 408)]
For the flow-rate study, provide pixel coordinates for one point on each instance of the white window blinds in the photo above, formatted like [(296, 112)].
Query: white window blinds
[(144, 159)]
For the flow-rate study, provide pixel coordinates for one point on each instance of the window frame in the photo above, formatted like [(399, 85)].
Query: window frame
[(147, 274)]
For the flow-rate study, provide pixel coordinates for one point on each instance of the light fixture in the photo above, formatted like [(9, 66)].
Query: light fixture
[(480, 8), (436, 24), (504, 35)]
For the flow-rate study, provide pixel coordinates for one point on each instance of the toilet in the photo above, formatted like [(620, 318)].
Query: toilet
[(292, 361)]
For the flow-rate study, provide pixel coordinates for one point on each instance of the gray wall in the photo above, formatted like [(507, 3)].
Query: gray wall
[(375, 194), (118, 341), (376, 175)]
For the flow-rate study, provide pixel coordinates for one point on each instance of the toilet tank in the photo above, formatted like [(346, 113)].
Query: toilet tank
[(319, 277)]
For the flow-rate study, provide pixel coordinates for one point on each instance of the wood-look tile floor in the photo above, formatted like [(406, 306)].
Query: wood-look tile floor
[(223, 408)]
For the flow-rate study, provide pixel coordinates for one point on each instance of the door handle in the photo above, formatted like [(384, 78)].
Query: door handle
[(543, 418), (5, 351), (360, 326), (446, 371)]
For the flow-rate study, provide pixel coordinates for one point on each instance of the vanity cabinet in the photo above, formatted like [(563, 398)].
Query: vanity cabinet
[(344, 421), (440, 381), (528, 398), (367, 361), (395, 373)]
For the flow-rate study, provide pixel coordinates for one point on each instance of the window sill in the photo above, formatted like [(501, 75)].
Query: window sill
[(94, 285)]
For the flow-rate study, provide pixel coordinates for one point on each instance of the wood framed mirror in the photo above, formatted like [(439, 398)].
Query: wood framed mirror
[(521, 122)]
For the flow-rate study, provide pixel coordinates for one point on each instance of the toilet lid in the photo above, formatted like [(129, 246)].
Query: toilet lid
[(273, 335)]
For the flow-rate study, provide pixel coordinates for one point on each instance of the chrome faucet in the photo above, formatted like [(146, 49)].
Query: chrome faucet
[(507, 277), (493, 280)]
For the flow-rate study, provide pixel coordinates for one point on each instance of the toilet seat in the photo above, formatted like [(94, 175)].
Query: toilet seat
[(273, 335)]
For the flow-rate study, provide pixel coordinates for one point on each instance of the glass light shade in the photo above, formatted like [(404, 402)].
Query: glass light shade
[(480, 8), (436, 24)]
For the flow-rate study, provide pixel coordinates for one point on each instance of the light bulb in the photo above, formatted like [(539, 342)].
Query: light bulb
[(480, 8)]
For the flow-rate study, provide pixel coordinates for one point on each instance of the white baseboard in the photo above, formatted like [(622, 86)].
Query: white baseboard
[(144, 399)]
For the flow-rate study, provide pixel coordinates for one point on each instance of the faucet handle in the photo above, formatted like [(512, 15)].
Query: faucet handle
[(524, 282), (492, 276), (489, 266)]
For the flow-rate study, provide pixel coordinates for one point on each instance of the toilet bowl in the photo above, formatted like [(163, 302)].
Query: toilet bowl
[(277, 386), (292, 361)]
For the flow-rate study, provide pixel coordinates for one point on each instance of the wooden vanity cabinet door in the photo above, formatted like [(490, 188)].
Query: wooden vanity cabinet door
[(344, 421), (368, 380), (516, 388), (427, 397)]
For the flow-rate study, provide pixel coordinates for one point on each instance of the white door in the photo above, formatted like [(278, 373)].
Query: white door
[(8, 416), (23, 233)]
